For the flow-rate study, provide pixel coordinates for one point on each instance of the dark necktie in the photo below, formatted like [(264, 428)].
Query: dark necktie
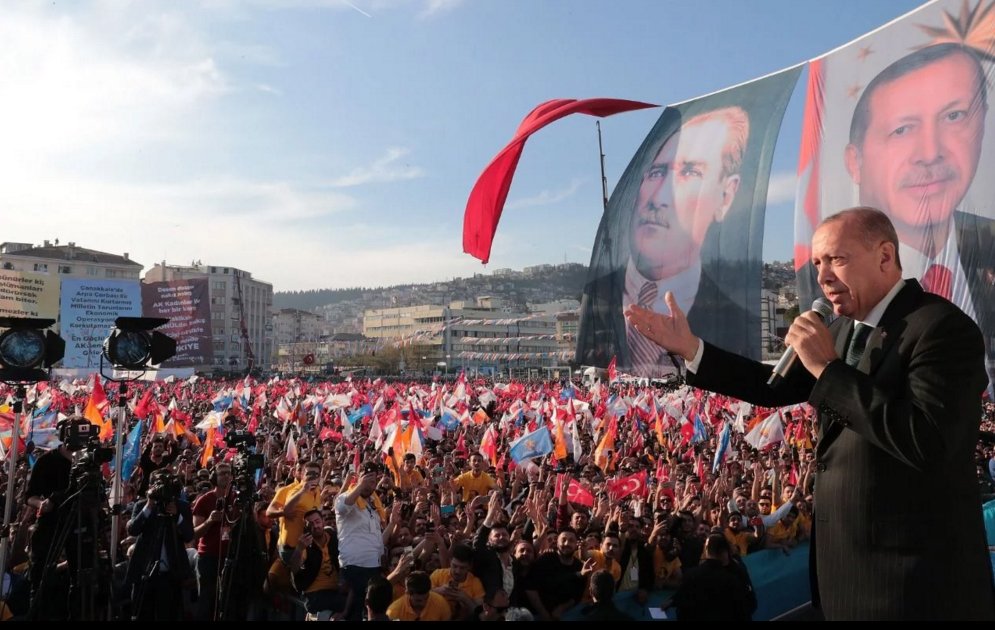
[(857, 344), (645, 353)]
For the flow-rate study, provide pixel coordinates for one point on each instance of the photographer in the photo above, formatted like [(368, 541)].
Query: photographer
[(158, 454), (314, 565), (212, 519), (46, 488), (159, 565)]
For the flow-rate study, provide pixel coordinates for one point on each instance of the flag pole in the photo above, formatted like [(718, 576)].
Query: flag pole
[(604, 180)]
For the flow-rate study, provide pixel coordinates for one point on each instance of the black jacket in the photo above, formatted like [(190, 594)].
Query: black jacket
[(306, 575)]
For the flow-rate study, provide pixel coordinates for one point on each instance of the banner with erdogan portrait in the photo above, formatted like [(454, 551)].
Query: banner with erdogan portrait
[(687, 216), (897, 120)]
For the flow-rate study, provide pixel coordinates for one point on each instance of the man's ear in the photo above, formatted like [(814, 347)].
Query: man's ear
[(852, 159), (729, 188), (887, 253)]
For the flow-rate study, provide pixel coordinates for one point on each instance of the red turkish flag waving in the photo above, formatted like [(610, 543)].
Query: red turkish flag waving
[(622, 487), (576, 493)]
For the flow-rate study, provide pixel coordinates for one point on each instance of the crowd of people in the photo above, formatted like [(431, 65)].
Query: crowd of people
[(403, 500)]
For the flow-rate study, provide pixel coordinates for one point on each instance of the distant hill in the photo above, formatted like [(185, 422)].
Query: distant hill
[(343, 308), (312, 299)]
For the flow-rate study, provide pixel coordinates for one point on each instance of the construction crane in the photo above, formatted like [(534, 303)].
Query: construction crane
[(246, 342)]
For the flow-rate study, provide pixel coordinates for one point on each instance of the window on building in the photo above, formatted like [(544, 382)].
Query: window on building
[(65, 269), (110, 273), (43, 267), (219, 346), (92, 271), (8, 265)]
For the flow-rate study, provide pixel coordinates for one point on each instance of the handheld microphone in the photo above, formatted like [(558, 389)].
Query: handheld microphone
[(824, 310)]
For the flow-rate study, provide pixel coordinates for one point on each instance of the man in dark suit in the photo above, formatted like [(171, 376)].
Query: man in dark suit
[(897, 382), (915, 141), (159, 565), (690, 184)]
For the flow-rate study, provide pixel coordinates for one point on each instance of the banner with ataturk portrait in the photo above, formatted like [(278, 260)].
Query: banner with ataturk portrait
[(687, 217)]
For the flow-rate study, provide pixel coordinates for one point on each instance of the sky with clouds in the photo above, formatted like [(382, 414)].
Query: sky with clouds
[(333, 143)]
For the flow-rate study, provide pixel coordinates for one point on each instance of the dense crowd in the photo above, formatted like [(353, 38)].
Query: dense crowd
[(423, 501)]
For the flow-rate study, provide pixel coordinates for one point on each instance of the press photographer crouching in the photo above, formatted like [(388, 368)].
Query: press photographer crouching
[(159, 565), (68, 492)]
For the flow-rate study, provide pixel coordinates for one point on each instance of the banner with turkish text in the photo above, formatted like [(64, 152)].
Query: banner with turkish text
[(87, 314), (187, 305)]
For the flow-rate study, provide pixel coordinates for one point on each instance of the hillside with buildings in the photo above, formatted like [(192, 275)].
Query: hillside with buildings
[(342, 309)]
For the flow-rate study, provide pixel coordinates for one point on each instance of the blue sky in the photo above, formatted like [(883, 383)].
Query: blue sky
[(326, 143)]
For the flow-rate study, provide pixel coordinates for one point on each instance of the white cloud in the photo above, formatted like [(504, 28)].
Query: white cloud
[(781, 188), (384, 169), (546, 197)]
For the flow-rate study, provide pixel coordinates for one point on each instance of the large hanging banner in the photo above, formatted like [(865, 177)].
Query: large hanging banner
[(187, 305), (687, 216), (89, 308), (896, 120), (27, 294)]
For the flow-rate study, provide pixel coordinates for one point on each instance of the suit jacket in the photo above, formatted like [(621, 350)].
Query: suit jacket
[(602, 332), (976, 250), (155, 532), (899, 529)]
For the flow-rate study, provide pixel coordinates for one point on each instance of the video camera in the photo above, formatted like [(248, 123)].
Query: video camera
[(164, 488), (78, 434), (244, 466), (234, 438)]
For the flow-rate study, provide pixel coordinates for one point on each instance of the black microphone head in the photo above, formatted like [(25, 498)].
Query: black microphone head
[(823, 308)]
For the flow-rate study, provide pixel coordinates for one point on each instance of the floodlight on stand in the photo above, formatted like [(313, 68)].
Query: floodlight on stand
[(27, 349), (133, 344)]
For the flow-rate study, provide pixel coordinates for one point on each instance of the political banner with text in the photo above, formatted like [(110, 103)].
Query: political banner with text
[(87, 314), (187, 305), (27, 294)]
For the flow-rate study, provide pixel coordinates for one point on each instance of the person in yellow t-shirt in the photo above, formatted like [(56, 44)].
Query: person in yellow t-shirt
[(408, 477), (291, 503), (461, 588), (475, 482), (784, 533), (739, 539), (605, 559), (315, 566), (419, 603)]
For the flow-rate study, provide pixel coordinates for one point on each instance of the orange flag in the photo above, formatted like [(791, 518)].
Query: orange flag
[(560, 444), (208, 451), (96, 406)]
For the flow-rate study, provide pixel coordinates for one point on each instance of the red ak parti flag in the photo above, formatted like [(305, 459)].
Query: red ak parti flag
[(486, 202)]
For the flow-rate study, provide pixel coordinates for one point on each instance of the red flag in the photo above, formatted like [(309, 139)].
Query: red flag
[(622, 487), (612, 370), (486, 202), (576, 493), (145, 405)]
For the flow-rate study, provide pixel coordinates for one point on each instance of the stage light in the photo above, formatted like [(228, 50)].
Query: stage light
[(27, 349), (134, 345)]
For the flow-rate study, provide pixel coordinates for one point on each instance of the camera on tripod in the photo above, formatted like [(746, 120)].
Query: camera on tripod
[(244, 466), (236, 438), (163, 488)]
